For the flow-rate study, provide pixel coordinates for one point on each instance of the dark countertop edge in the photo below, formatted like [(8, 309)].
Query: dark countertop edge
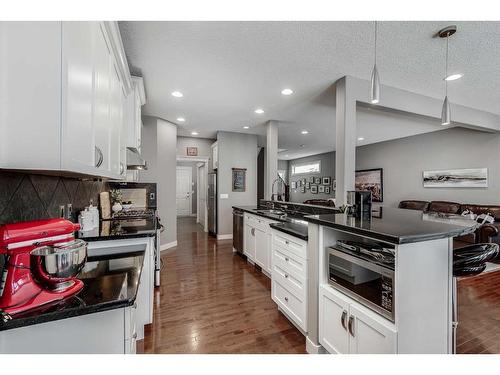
[(66, 314), (282, 227), (117, 237), (387, 238), (254, 212)]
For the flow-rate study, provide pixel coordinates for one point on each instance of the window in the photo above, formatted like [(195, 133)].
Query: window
[(309, 167)]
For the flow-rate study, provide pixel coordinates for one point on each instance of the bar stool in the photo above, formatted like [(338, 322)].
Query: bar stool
[(468, 261)]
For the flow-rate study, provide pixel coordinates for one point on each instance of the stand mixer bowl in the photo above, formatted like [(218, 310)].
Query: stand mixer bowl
[(54, 266)]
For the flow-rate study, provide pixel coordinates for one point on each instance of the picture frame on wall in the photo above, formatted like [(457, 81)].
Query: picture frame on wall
[(239, 179), (308, 185), (302, 189), (303, 182), (311, 179), (321, 188), (192, 151), (327, 189), (314, 189), (371, 180), (326, 181), (294, 184), (317, 180), (456, 178)]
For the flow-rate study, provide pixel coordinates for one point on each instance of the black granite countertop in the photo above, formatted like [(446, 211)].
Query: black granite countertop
[(293, 224), (399, 226), (116, 229), (110, 282), (293, 229)]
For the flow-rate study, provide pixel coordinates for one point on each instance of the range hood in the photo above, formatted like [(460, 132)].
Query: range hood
[(135, 160)]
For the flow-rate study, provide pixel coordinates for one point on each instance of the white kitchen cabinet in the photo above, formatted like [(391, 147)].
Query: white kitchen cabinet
[(249, 242), (61, 98), (346, 327), (261, 249), (257, 241), (132, 119)]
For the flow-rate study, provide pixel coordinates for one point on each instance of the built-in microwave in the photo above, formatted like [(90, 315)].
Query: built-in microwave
[(364, 279)]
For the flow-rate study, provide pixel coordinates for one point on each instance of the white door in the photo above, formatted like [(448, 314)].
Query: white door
[(184, 190)]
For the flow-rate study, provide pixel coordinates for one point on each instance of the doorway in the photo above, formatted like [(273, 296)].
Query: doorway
[(184, 191)]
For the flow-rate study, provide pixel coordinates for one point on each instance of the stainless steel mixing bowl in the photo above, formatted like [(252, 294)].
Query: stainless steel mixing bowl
[(58, 263)]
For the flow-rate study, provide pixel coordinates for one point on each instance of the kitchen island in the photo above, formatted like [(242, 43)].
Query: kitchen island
[(358, 304), (98, 319)]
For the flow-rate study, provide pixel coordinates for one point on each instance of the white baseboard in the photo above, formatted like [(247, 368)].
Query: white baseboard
[(168, 245), (312, 348), (225, 236)]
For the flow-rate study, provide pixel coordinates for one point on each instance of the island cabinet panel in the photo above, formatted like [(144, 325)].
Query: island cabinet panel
[(249, 242), (345, 327), (258, 241), (261, 249)]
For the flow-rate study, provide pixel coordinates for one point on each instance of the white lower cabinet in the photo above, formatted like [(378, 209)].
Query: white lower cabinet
[(345, 327), (249, 242), (257, 241)]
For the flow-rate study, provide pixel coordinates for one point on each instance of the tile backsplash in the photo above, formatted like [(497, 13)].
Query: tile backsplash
[(25, 196)]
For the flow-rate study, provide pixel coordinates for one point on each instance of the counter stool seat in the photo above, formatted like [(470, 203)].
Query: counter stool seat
[(469, 261)]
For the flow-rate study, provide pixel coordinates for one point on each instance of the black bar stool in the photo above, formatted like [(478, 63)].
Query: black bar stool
[(468, 261)]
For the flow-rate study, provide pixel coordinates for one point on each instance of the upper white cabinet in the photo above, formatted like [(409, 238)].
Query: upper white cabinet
[(62, 94), (132, 121)]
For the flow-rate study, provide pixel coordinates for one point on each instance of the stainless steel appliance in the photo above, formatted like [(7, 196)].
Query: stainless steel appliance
[(360, 203), (365, 274), (212, 203), (238, 231)]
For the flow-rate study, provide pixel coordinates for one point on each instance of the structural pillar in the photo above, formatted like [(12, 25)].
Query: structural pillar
[(271, 157)]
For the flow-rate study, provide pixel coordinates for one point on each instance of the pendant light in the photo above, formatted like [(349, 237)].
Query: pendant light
[(446, 111), (375, 80)]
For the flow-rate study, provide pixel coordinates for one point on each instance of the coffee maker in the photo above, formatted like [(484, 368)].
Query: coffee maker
[(359, 204)]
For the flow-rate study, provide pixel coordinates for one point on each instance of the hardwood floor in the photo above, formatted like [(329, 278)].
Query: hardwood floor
[(479, 314), (211, 301)]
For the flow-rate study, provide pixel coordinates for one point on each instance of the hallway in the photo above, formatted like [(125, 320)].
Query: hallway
[(212, 301)]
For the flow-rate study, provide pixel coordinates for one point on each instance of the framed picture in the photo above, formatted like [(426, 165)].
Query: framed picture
[(192, 151), (314, 189), (239, 179), (317, 180), (308, 185), (294, 184), (302, 189), (456, 178), (303, 182), (326, 181), (321, 188), (371, 180), (327, 189), (311, 179)]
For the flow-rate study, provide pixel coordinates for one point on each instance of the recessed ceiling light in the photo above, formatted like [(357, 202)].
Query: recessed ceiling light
[(361, 139), (453, 77), (181, 119), (286, 156), (177, 94), (287, 91), (302, 146), (259, 111), (246, 127), (304, 132), (194, 133)]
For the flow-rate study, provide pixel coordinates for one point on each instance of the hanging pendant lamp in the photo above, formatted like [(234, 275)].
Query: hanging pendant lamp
[(375, 80), (446, 111)]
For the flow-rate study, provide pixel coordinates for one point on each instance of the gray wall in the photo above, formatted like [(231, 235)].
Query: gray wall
[(159, 141), (327, 170), (283, 166), (405, 159), (194, 177), (236, 150)]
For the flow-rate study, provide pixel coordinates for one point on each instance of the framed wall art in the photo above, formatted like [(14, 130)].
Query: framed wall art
[(311, 179), (239, 179), (192, 151), (302, 189), (317, 180), (294, 184), (456, 178), (321, 188), (327, 189), (308, 185), (371, 180), (326, 181), (314, 189)]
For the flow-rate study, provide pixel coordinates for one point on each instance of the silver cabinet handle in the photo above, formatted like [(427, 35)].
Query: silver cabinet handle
[(286, 242), (134, 336), (286, 276), (287, 259), (122, 168), (342, 319), (99, 157), (286, 299), (135, 305), (351, 325), (253, 231)]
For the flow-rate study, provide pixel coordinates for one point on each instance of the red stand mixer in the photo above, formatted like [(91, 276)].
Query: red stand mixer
[(42, 259)]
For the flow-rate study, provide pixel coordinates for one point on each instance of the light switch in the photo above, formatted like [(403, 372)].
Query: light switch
[(224, 196)]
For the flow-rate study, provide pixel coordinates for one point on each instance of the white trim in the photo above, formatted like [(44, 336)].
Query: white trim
[(312, 348), (115, 39), (301, 164), (168, 245), (202, 159), (224, 236), (139, 82)]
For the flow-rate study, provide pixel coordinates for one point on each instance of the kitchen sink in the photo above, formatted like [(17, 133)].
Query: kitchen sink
[(271, 211)]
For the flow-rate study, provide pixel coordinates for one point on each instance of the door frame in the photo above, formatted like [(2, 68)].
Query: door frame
[(199, 173), (190, 170)]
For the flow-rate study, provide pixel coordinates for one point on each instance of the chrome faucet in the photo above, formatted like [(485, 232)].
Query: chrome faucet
[(279, 197)]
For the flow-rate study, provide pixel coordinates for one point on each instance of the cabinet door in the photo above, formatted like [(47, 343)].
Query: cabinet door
[(77, 93), (249, 248), (102, 90), (215, 156), (261, 249), (371, 334), (115, 151), (269, 239), (333, 317)]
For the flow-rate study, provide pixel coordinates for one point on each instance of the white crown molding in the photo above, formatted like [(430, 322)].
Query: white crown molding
[(121, 58)]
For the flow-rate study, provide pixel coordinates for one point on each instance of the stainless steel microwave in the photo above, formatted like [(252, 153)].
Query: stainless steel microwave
[(368, 282)]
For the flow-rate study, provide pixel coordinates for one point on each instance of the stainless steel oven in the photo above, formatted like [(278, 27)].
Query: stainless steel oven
[(363, 278)]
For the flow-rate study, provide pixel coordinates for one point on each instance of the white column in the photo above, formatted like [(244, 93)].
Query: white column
[(271, 157), (345, 141)]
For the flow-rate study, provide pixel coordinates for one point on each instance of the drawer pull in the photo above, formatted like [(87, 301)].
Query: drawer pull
[(286, 242), (286, 276), (287, 259), (351, 325), (134, 336), (342, 319), (286, 299)]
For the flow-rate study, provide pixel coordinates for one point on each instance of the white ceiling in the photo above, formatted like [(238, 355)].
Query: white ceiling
[(227, 69)]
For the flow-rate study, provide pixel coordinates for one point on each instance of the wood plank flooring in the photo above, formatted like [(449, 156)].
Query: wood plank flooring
[(211, 301)]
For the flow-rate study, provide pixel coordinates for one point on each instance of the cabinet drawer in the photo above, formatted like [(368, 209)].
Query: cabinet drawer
[(289, 261), (291, 305), (295, 283), (289, 243)]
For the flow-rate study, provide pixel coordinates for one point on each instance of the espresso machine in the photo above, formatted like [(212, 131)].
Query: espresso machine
[(359, 204), (41, 261)]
